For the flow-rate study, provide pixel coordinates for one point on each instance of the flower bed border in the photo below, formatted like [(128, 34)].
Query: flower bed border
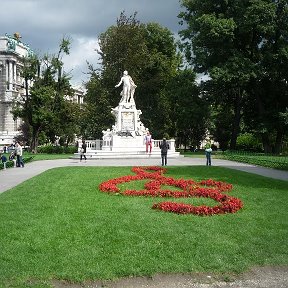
[(190, 188)]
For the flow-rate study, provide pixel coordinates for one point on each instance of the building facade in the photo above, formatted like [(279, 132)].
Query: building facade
[(12, 51)]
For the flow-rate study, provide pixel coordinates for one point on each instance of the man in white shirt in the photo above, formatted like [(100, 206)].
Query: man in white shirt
[(19, 151)]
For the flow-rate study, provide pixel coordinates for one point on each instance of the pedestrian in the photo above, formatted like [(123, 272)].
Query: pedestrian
[(208, 151), (12, 158), (83, 151), (164, 146), (3, 160), (148, 142), (19, 151)]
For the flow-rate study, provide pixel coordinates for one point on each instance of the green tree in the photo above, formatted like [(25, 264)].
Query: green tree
[(43, 106), (96, 111), (238, 43), (148, 53), (191, 110), (270, 89)]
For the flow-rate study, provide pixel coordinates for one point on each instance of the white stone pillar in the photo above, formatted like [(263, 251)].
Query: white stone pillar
[(7, 75), (14, 76), (135, 119), (10, 80), (119, 119)]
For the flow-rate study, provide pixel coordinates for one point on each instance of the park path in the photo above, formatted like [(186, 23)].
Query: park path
[(13, 176)]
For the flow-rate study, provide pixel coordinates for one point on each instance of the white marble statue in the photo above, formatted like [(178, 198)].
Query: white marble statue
[(128, 88)]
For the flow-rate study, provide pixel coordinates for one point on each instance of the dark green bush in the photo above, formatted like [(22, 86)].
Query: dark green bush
[(248, 142), (9, 164)]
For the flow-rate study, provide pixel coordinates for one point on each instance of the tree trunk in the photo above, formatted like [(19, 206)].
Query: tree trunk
[(266, 142), (236, 120), (279, 140), (35, 139), (265, 135)]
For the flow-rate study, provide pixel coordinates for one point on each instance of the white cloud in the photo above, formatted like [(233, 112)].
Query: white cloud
[(82, 51)]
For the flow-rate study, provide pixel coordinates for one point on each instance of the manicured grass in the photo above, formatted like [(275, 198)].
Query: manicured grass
[(266, 160), (270, 161), (198, 154), (43, 156), (58, 225)]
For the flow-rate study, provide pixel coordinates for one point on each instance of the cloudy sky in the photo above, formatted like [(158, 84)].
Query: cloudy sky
[(43, 23)]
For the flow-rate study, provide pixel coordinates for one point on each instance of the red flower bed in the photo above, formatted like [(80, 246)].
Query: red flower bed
[(190, 188)]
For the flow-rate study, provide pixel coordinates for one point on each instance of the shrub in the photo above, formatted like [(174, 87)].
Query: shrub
[(248, 142), (10, 164)]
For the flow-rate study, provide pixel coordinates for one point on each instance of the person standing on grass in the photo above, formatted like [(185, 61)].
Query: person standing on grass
[(164, 146), (3, 160), (19, 152), (83, 151), (208, 151)]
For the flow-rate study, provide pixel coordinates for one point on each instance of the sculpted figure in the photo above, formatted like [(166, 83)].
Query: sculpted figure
[(128, 88)]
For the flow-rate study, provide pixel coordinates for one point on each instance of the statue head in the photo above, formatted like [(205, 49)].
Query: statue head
[(125, 72)]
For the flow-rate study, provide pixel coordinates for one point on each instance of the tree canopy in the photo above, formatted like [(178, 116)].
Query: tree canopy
[(149, 53), (43, 106), (242, 45)]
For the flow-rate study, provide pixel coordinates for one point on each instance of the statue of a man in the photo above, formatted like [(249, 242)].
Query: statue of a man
[(128, 88)]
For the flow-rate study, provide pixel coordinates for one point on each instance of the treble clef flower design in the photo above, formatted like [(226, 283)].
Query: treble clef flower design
[(188, 188)]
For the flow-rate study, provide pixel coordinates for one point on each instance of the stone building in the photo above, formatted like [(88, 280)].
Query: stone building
[(12, 50)]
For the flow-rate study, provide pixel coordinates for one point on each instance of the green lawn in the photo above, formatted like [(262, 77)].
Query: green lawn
[(58, 225), (266, 160), (43, 156)]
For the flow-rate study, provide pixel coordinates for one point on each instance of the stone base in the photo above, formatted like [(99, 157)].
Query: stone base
[(126, 144), (101, 154)]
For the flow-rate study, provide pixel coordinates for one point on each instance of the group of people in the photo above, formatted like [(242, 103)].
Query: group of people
[(15, 156), (164, 146)]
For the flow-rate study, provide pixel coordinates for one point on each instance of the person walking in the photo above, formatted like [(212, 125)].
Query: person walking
[(148, 142), (208, 151), (164, 146), (19, 152), (83, 151)]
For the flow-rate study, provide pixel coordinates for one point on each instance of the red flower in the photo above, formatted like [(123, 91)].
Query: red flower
[(189, 188)]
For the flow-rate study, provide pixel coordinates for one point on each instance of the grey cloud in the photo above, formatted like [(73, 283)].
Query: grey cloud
[(43, 23)]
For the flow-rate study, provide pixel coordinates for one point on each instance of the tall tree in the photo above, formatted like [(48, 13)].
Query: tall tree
[(229, 40), (96, 111), (43, 104), (148, 52), (190, 112)]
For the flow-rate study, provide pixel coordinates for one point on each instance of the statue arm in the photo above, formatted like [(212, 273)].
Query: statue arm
[(119, 82)]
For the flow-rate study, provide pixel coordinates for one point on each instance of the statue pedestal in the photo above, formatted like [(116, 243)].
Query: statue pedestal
[(128, 132), (126, 139)]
